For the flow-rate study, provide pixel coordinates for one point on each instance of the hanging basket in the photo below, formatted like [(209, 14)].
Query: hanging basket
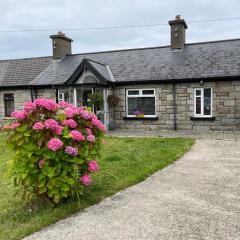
[(113, 100)]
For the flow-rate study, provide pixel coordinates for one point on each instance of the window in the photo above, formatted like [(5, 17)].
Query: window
[(8, 104), (65, 95), (203, 102), (35, 94), (61, 96), (141, 100)]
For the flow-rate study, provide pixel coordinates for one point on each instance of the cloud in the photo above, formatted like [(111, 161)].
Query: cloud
[(59, 14)]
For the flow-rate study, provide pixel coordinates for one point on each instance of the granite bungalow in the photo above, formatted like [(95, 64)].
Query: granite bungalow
[(182, 86)]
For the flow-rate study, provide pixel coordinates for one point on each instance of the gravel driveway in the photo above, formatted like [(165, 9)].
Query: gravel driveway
[(198, 197)]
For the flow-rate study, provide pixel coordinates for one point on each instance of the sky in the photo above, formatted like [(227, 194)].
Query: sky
[(64, 14)]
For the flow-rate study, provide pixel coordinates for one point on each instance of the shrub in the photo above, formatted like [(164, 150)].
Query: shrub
[(56, 146)]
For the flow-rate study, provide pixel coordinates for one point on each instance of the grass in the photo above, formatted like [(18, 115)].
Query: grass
[(124, 162)]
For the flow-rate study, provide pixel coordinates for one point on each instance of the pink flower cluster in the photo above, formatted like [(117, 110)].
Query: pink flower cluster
[(48, 104), (70, 122), (19, 115), (38, 126), (88, 131), (51, 124), (91, 138), (63, 104), (86, 179), (54, 144), (92, 166), (58, 130), (71, 111), (76, 135), (54, 126), (29, 106), (98, 124), (41, 163), (85, 114)]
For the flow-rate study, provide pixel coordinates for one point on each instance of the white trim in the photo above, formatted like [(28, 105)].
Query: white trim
[(75, 97), (105, 108), (141, 95), (202, 102)]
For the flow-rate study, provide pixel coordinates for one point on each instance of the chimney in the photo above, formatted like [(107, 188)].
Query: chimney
[(178, 27), (61, 45)]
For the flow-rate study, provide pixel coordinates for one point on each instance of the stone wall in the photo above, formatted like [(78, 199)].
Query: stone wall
[(46, 93), (20, 97), (225, 107)]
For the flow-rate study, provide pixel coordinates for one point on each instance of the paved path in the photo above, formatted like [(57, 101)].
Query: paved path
[(198, 197)]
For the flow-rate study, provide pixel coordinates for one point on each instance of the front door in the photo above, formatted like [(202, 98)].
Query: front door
[(94, 99), (83, 98)]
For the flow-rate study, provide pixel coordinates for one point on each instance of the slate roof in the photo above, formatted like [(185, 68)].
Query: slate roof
[(102, 69), (199, 60), (18, 72)]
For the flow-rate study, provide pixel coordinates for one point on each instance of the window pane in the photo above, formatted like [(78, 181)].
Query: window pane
[(198, 105), (207, 101), (9, 104), (133, 92), (198, 92), (8, 97), (146, 92), (142, 104)]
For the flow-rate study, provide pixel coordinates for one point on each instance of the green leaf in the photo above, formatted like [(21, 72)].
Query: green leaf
[(61, 117), (22, 128), (30, 146), (42, 189), (50, 185), (20, 142), (27, 133), (64, 187), (56, 197), (27, 181)]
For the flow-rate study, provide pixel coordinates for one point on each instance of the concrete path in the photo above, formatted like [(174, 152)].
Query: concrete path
[(198, 197)]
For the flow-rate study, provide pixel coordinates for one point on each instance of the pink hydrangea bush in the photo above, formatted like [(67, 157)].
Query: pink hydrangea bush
[(56, 146)]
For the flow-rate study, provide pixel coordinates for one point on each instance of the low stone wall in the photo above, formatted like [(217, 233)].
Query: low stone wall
[(225, 107)]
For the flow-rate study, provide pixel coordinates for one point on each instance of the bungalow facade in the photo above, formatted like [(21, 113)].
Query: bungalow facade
[(181, 86)]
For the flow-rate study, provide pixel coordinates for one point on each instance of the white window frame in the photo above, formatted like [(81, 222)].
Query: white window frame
[(202, 102), (60, 96), (140, 95)]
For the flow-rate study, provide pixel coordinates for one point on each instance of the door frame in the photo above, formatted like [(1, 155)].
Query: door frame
[(105, 103)]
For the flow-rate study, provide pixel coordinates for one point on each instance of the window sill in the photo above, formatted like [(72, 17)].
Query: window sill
[(144, 118), (202, 118)]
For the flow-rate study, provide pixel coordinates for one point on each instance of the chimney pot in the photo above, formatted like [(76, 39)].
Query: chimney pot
[(178, 17), (61, 33)]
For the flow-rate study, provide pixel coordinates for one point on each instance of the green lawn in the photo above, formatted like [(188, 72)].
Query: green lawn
[(125, 161)]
